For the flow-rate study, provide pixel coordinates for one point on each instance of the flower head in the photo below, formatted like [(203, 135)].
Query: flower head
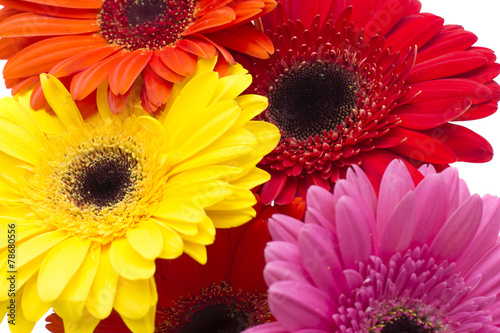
[(86, 41), (228, 294), (94, 202), (348, 86), (412, 258)]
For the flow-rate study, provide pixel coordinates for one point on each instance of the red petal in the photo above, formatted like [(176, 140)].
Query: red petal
[(432, 113), (484, 74), (123, 74), (42, 56), (415, 30), (211, 21), (87, 106), (375, 162), (467, 145), (87, 81), (422, 147), (450, 88), (446, 65), (70, 3), (288, 192), (362, 11), (179, 61), (162, 70), (82, 61), (30, 24), (386, 17), (198, 47), (245, 39), (449, 39), (479, 111), (273, 187)]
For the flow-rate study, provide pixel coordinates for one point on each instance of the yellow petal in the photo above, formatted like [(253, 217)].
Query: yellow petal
[(194, 97), (186, 228), (12, 110), (18, 142), (202, 194), (59, 266), (86, 324), (230, 219), (252, 179), (235, 85), (49, 123), (154, 127), (20, 324), (205, 235), (33, 306), (146, 239), (210, 123), (211, 172), (61, 102), (240, 198), (172, 242), (133, 298), (196, 251), (102, 101), (128, 263), (145, 324), (38, 246), (102, 292), (229, 146), (179, 210), (69, 305), (251, 106)]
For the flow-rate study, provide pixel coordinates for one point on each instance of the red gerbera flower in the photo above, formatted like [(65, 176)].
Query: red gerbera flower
[(365, 82), (228, 293), (83, 42)]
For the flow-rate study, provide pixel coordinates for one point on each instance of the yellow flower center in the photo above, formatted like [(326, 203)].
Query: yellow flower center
[(100, 181)]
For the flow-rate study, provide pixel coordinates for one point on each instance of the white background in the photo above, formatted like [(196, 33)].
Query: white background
[(482, 18)]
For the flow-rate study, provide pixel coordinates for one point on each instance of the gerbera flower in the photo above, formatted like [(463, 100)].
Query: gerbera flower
[(83, 42), (365, 82), (228, 294), (411, 259), (93, 203)]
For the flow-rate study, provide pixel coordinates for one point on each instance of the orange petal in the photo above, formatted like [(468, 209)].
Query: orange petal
[(211, 20), (204, 6), (10, 46), (157, 89), (179, 61), (198, 47), (24, 84), (82, 61), (117, 102), (162, 70), (146, 104), (51, 10), (123, 74), (229, 58), (70, 3), (5, 13), (87, 106), (87, 81), (245, 39), (30, 24), (42, 56)]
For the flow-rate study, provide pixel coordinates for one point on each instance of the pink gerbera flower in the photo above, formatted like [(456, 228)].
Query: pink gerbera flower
[(363, 82), (414, 258)]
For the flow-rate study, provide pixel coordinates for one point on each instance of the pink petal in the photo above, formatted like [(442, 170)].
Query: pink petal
[(299, 305), (458, 231), (277, 271), (401, 227), (282, 251), (353, 224), (487, 267), (396, 182), (284, 228), (267, 328)]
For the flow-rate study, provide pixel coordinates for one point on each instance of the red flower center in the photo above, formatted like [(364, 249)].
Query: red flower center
[(313, 97), (151, 24), (216, 309)]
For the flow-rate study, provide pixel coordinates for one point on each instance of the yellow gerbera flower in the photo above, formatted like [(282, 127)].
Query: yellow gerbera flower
[(92, 203)]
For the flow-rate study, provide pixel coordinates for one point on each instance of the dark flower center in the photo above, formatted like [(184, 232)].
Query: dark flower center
[(403, 324), (152, 24), (217, 309), (312, 98), (101, 177)]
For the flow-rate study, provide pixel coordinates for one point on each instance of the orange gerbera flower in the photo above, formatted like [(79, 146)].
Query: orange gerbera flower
[(83, 42)]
